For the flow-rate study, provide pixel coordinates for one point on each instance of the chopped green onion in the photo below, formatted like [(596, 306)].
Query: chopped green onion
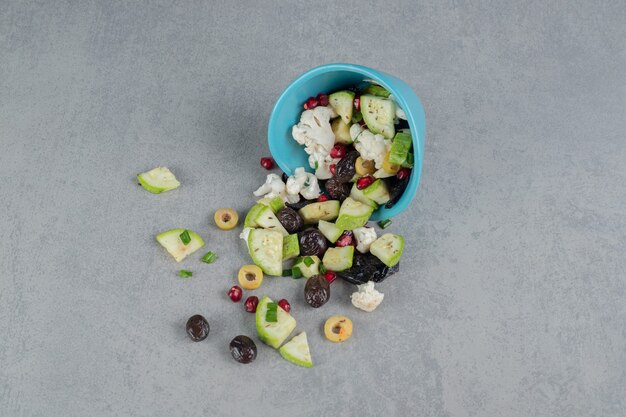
[(209, 258), (184, 236), (286, 272), (317, 165), (296, 273), (271, 315), (322, 269), (183, 273), (384, 223), (308, 261)]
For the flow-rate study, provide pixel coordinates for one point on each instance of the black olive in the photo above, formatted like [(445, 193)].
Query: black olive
[(346, 168), (284, 177), (367, 267), (402, 124), (316, 291), (396, 190), (337, 190), (290, 219), (197, 328), (243, 349), (300, 204), (312, 242)]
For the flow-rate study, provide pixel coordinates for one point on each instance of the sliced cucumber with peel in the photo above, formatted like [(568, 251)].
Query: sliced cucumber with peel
[(273, 333), (314, 212), (297, 351), (339, 258), (308, 271), (172, 242), (268, 220), (377, 191), (376, 90), (158, 180), (276, 203), (388, 248), (343, 104), (250, 220), (342, 131), (329, 230), (291, 246), (353, 214), (360, 196), (379, 114), (400, 148), (266, 250)]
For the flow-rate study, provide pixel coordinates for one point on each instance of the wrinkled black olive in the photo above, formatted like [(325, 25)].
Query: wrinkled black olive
[(402, 124), (396, 190), (312, 242), (197, 328), (299, 204), (337, 190), (366, 267), (316, 291), (346, 168), (243, 349), (290, 219), (284, 177)]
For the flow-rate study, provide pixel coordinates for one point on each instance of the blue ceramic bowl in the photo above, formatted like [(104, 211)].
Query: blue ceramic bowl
[(289, 155)]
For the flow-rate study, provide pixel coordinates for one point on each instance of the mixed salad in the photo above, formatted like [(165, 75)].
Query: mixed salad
[(313, 225)]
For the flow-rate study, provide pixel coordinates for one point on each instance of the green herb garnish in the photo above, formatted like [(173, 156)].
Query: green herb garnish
[(183, 273), (308, 261), (184, 236), (317, 165), (271, 315), (384, 223), (296, 273), (322, 269), (209, 258)]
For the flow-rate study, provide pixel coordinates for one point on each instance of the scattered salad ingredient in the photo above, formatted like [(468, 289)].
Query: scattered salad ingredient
[(338, 258), (271, 315), (226, 218), (183, 273), (243, 349), (383, 224), (364, 236), (267, 163), (338, 328), (266, 250), (209, 258), (184, 237), (310, 103), (317, 291), (250, 277), (290, 219), (173, 243), (314, 212), (366, 267), (297, 351), (367, 298), (338, 151), (330, 276), (337, 190), (364, 182), (284, 304), (353, 214), (346, 239), (291, 246), (312, 243), (388, 248), (322, 198), (306, 266), (235, 293), (273, 333), (251, 303), (364, 167), (322, 99), (197, 328), (158, 180)]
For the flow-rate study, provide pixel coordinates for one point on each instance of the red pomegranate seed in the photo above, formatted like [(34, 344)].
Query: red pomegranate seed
[(311, 103), (267, 163), (357, 103), (345, 239), (235, 293), (251, 303), (322, 198), (332, 168), (338, 151), (330, 276), (322, 99), (364, 182), (284, 304), (403, 173)]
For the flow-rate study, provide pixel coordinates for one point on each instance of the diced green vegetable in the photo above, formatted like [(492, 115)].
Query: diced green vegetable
[(183, 273), (271, 315), (383, 224), (184, 237), (209, 258)]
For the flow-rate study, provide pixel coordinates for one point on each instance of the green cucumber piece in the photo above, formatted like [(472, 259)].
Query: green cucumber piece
[(276, 203), (266, 250), (291, 246), (343, 104), (353, 214), (329, 230), (268, 220), (360, 196), (400, 148), (273, 333), (376, 90), (338, 259), (388, 248), (158, 180), (308, 271), (297, 351), (171, 241), (250, 220), (314, 212), (342, 131), (377, 191), (379, 114)]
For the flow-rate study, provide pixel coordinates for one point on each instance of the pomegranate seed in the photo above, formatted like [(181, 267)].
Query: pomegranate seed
[(345, 239), (322, 198), (267, 163), (251, 303), (310, 103), (284, 304), (330, 276), (322, 99), (403, 173), (332, 168), (338, 151), (235, 293), (364, 182), (357, 103)]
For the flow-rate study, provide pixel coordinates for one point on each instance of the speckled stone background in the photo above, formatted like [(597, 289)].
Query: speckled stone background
[(512, 295)]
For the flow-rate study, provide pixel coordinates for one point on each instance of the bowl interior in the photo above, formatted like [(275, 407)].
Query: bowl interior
[(289, 155)]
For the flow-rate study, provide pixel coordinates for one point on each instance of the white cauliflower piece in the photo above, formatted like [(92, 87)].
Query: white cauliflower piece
[(367, 298), (400, 113), (322, 170), (245, 234), (315, 133), (364, 236), (273, 187), (304, 183), (355, 131), (372, 147)]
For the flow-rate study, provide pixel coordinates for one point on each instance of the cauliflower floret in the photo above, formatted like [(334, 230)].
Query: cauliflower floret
[(372, 147), (322, 166), (364, 236), (400, 113), (245, 234), (367, 298), (315, 133), (304, 183), (355, 131), (274, 186)]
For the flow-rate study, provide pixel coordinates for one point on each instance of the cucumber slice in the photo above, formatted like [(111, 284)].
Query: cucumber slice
[(338, 259), (268, 220), (158, 180), (353, 214), (273, 333), (297, 351), (341, 130), (379, 114), (291, 246), (381, 173), (377, 191), (400, 148), (359, 196), (276, 203), (388, 248), (250, 220), (308, 271), (314, 212), (329, 230), (171, 241), (343, 104), (266, 250), (376, 90)]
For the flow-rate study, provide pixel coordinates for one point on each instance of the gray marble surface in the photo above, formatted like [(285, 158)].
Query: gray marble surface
[(512, 295)]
